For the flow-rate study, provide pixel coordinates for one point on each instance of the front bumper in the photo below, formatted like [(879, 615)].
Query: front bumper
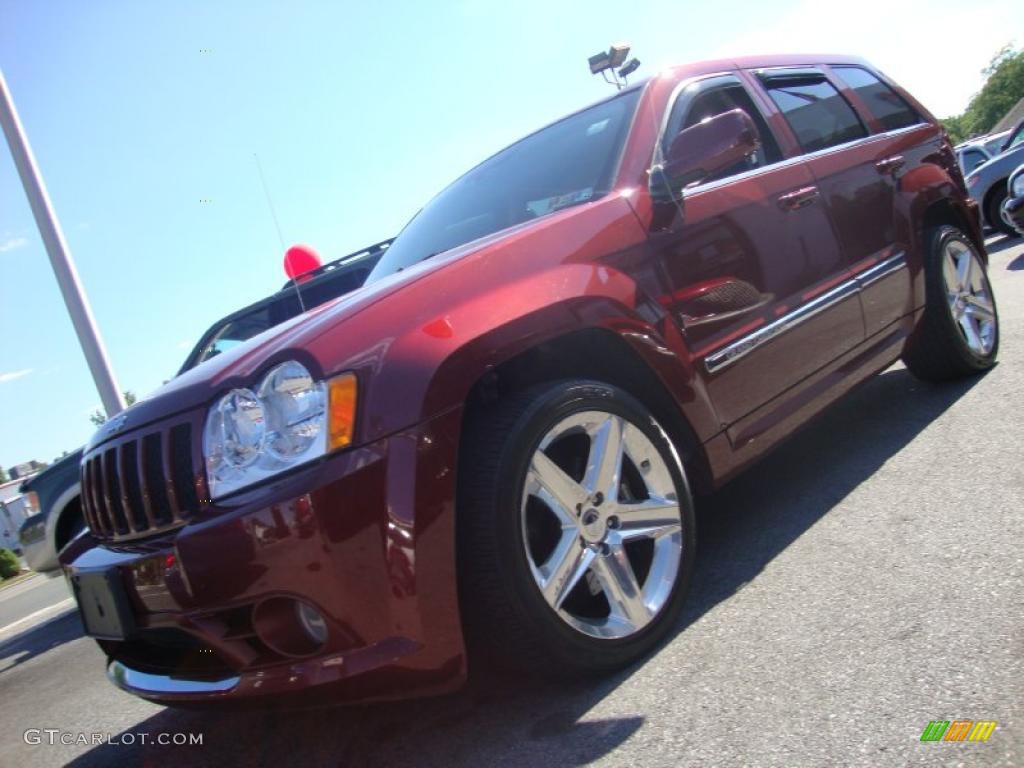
[(1013, 212), (366, 536)]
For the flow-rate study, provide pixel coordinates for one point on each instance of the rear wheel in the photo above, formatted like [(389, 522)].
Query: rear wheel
[(576, 530), (994, 211), (958, 334)]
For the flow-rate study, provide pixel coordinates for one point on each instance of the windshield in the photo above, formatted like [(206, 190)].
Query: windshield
[(231, 334), (565, 164)]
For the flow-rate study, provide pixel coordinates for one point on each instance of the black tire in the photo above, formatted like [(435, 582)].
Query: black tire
[(70, 524), (938, 350), (509, 626), (993, 211)]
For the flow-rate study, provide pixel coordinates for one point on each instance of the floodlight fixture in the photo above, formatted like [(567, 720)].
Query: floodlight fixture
[(607, 62), (631, 66), (599, 62), (617, 54)]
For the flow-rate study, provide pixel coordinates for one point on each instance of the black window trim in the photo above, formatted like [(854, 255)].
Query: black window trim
[(705, 83), (842, 84), (764, 74), (799, 157)]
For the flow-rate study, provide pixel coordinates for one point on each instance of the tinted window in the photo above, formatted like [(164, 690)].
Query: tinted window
[(883, 102), (1017, 139), (234, 332), (817, 113), (690, 110), (972, 158), (565, 164)]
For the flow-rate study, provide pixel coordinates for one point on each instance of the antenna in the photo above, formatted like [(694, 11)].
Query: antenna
[(277, 224)]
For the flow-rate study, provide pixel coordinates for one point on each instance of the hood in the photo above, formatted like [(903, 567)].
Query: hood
[(238, 366)]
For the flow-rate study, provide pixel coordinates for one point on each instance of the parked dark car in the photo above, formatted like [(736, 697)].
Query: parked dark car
[(971, 155), (988, 182), (493, 444), (60, 519), (1013, 208)]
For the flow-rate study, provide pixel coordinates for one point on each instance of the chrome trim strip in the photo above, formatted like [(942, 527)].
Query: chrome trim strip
[(744, 346), (882, 269), (134, 681), (729, 354), (796, 159)]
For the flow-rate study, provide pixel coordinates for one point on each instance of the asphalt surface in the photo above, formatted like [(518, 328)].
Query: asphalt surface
[(861, 581), (19, 602)]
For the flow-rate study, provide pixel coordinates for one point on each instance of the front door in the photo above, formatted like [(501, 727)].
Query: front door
[(754, 273)]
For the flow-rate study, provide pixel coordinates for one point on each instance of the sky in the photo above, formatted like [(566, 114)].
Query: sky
[(359, 112)]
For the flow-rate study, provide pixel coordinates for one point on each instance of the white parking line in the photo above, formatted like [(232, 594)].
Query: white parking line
[(40, 616)]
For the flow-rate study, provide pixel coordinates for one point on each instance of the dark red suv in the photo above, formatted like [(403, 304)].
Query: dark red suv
[(493, 444)]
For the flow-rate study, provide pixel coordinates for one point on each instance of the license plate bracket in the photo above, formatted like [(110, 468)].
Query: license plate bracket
[(103, 604)]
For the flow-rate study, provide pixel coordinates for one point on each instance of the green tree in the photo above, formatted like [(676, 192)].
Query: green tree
[(9, 564), (98, 418), (1003, 88)]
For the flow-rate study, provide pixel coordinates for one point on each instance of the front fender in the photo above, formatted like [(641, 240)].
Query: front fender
[(421, 350), (433, 368)]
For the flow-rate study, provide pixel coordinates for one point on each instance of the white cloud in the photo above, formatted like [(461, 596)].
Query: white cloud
[(6, 377), (922, 44), (12, 243)]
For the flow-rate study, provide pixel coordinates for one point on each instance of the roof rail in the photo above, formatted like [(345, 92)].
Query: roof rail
[(364, 253)]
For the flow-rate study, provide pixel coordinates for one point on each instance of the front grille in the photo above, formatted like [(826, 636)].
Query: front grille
[(142, 485)]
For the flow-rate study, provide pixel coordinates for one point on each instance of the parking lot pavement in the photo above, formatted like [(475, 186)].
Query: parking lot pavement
[(31, 602), (863, 580)]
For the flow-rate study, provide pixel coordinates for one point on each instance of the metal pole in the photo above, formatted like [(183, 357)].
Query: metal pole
[(60, 256)]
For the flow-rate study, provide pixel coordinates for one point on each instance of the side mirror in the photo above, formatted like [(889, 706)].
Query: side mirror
[(703, 150)]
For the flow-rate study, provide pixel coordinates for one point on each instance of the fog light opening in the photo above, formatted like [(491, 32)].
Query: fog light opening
[(290, 627), (312, 621)]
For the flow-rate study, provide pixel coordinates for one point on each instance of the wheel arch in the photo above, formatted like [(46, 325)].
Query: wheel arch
[(603, 355), (945, 211), (70, 499)]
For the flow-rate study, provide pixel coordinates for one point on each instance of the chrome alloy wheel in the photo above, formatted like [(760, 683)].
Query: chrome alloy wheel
[(601, 524), (969, 296)]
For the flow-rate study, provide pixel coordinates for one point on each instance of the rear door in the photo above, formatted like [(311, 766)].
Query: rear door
[(753, 273), (901, 142), (856, 168)]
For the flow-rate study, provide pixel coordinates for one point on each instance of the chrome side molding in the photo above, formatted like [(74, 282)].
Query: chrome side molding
[(743, 346), (134, 681), (882, 269)]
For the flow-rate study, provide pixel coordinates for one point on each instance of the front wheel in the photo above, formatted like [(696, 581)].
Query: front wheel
[(958, 333), (576, 530)]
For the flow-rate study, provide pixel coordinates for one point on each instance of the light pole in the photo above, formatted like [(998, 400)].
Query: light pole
[(60, 256), (606, 62)]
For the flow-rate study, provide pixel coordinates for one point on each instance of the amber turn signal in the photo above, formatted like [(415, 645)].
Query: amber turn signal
[(341, 406)]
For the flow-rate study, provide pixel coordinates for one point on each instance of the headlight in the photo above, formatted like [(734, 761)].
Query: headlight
[(289, 419), (1017, 185)]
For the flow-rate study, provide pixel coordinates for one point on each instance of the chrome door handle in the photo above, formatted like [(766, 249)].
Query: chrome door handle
[(798, 199), (890, 164)]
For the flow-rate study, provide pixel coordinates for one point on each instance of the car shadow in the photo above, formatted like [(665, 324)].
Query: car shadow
[(1004, 243), (39, 640), (742, 528)]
